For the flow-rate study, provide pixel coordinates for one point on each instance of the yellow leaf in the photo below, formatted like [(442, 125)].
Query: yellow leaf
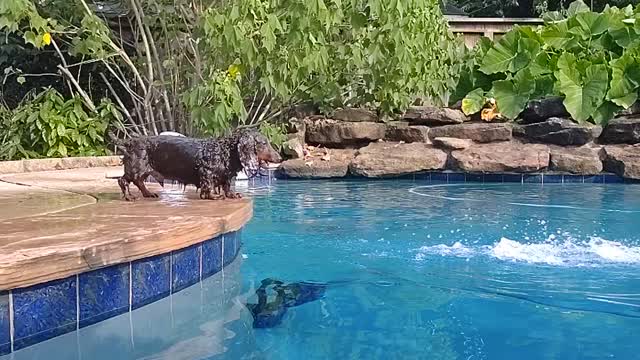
[(234, 71), (46, 39)]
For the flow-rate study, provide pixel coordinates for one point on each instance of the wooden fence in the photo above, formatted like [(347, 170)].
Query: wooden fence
[(472, 29)]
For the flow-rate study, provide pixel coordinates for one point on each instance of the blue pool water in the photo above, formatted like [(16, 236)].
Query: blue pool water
[(415, 270)]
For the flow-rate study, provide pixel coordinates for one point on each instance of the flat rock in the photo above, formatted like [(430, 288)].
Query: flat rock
[(434, 116), (408, 134), (624, 161), (582, 160), (341, 133), (559, 131), (543, 109), (355, 114), (391, 159), (452, 143), (624, 130), (315, 168), (478, 132), (501, 157)]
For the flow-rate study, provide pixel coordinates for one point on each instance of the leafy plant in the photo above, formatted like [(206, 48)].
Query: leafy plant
[(45, 125), (275, 133), (591, 59)]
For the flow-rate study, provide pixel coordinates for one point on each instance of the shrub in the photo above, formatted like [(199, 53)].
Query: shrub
[(45, 125), (591, 59)]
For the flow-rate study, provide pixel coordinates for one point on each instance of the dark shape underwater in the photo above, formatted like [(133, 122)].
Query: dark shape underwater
[(269, 314)]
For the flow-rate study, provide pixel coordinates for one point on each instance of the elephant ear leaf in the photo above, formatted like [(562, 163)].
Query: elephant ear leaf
[(584, 92), (512, 95), (473, 102), (499, 58), (625, 81)]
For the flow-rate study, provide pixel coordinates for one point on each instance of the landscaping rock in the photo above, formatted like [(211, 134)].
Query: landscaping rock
[(633, 110), (624, 130), (392, 159), (452, 143), (342, 134), (543, 109), (408, 134), (479, 132), (584, 161), (434, 116), (501, 157), (296, 129), (623, 160), (355, 114), (559, 131), (293, 149), (315, 168)]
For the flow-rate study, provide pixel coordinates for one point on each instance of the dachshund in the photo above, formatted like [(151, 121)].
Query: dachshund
[(209, 164)]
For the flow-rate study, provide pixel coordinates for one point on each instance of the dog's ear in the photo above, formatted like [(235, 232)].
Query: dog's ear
[(248, 152)]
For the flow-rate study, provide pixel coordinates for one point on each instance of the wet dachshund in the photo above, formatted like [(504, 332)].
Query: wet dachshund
[(208, 164)]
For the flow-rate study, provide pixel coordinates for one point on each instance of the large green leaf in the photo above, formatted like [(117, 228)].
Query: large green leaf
[(500, 57), (605, 112), (623, 35), (590, 24), (473, 102), (584, 92), (512, 95), (625, 80), (577, 7), (557, 35)]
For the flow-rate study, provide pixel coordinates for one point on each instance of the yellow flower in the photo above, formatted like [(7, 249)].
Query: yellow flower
[(234, 71), (46, 38)]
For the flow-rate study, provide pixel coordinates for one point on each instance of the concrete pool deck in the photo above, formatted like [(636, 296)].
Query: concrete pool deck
[(55, 224)]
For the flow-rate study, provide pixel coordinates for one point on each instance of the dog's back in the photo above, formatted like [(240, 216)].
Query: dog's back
[(175, 158)]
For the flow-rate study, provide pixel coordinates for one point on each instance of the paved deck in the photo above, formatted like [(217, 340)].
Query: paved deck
[(59, 223)]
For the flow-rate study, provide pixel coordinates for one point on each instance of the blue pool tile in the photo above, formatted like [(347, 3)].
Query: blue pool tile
[(474, 178), (612, 179), (5, 335), (185, 267), (229, 248), (493, 178), (238, 241), (103, 293), (573, 179), (211, 256), (595, 179), (44, 311), (438, 176), (512, 178), (423, 176), (532, 179), (552, 179), (150, 279), (456, 177)]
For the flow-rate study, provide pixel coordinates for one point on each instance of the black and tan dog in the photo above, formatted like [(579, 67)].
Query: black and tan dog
[(208, 164)]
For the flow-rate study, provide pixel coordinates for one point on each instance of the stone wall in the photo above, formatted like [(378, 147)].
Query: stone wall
[(354, 142)]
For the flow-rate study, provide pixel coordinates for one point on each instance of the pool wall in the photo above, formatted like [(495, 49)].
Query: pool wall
[(37, 313)]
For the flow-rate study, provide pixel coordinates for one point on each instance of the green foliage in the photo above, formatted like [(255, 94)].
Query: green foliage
[(591, 59), (275, 133), (46, 125), (344, 53)]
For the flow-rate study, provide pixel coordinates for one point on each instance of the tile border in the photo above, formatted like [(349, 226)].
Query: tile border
[(57, 307)]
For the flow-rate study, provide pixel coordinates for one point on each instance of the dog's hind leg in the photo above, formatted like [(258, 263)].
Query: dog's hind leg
[(228, 193), (124, 186)]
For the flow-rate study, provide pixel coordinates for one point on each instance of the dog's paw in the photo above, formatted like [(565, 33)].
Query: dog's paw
[(130, 198), (151, 195)]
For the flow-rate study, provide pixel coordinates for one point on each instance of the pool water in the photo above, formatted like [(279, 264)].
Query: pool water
[(414, 270)]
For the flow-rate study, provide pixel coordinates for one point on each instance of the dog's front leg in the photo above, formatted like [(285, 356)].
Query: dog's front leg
[(124, 186), (207, 191), (228, 193)]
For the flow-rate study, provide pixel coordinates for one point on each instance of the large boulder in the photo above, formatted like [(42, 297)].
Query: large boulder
[(341, 134), (355, 114), (408, 134), (336, 165), (479, 132), (624, 130), (451, 143), (559, 131), (392, 159), (623, 160), (583, 160), (543, 109), (434, 116), (296, 129), (293, 149), (501, 157)]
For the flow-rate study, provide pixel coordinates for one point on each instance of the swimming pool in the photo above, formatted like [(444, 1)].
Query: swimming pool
[(415, 270)]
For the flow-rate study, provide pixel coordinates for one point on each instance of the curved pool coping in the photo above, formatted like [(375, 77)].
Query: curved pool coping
[(74, 266)]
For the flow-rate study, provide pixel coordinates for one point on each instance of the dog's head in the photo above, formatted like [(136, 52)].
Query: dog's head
[(255, 150)]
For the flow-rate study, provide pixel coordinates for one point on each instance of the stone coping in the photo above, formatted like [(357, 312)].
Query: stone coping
[(34, 165), (93, 228)]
